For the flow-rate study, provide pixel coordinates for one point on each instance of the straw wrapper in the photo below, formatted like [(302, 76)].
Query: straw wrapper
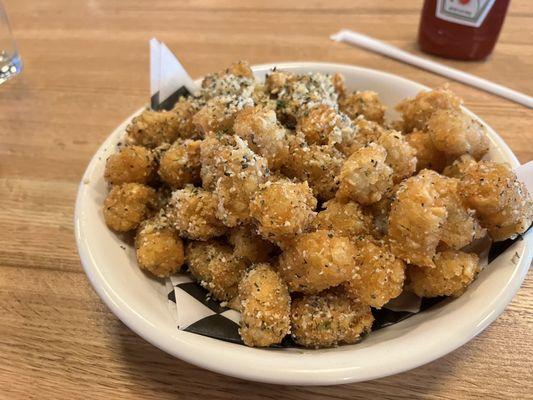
[(191, 305)]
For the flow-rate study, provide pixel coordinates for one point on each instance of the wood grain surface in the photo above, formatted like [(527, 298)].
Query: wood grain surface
[(85, 70)]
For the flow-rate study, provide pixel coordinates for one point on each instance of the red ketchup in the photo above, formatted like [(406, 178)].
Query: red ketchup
[(461, 29)]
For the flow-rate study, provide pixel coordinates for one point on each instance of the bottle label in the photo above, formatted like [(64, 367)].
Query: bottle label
[(464, 12)]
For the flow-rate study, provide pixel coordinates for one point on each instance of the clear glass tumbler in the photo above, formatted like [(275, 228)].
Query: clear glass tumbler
[(10, 64)]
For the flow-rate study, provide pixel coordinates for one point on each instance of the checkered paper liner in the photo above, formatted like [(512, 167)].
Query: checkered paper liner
[(190, 304)]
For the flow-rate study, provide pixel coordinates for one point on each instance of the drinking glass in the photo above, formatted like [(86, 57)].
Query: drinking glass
[(10, 64)]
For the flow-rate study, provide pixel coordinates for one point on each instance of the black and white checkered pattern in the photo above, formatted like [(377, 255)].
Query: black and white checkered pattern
[(199, 313)]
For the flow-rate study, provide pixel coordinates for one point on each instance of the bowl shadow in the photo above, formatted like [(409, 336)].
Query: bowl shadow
[(153, 373)]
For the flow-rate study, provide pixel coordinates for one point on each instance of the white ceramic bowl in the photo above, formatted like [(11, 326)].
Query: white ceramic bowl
[(140, 302)]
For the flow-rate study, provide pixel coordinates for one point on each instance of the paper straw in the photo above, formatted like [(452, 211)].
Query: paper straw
[(380, 47)]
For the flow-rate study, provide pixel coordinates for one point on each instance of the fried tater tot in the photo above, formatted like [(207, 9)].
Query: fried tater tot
[(277, 80), (153, 128), (501, 201), (262, 99), (458, 168), (416, 219), (365, 176), (214, 266), (158, 247), (219, 113), (328, 319), (322, 125), (236, 80), (265, 307), (364, 103), (380, 212), (318, 165), (317, 260), (338, 83), (180, 164), (367, 131), (185, 110), (343, 219), (460, 227), (250, 246), (453, 272), (296, 94), (242, 173), (455, 133), (417, 111), (131, 164), (379, 275), (264, 134), (127, 205), (193, 212), (400, 155), (283, 209), (240, 68), (427, 155), (214, 150)]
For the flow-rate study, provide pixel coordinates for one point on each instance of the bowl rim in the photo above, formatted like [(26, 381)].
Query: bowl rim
[(242, 363)]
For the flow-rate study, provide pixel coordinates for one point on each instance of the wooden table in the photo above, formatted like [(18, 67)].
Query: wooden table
[(86, 69)]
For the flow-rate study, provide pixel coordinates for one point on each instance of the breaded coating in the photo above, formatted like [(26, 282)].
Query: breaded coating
[(416, 219), (153, 128), (249, 245), (130, 164), (264, 134), (213, 151), (461, 226), (455, 133), (283, 209), (380, 212), (365, 176), (219, 113), (193, 211), (338, 83), (365, 103), (343, 219), (417, 111), (379, 276), (237, 80), (427, 155), (180, 164), (229, 164), (501, 201), (316, 261), (214, 266), (158, 247), (276, 81), (458, 168), (322, 125), (296, 94), (328, 319), (453, 272), (401, 157), (318, 165), (261, 98), (127, 205), (242, 173), (366, 132), (185, 110), (240, 68), (265, 307)]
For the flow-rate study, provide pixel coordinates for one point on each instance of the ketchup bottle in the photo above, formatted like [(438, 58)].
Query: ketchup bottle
[(461, 29)]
